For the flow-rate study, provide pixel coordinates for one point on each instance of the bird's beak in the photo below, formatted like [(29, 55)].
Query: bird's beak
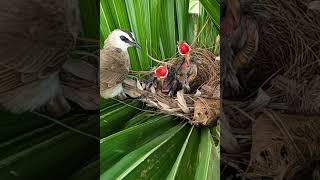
[(135, 44)]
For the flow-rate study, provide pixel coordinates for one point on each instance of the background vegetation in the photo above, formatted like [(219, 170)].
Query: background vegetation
[(137, 142)]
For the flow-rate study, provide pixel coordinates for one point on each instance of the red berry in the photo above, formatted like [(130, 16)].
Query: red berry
[(161, 71), (184, 48)]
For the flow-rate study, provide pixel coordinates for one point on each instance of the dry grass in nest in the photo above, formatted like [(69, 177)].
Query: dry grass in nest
[(286, 80), (289, 49), (201, 106)]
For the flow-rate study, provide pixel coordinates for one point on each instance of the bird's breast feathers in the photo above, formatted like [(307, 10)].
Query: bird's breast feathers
[(114, 66)]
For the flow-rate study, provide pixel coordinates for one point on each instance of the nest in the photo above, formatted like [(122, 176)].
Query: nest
[(293, 63), (200, 106), (268, 133)]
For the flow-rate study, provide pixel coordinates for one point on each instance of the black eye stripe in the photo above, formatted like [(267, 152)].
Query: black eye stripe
[(130, 35), (124, 39)]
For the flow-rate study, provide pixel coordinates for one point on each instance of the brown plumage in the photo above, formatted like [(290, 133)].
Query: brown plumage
[(114, 68), (239, 39), (186, 73), (186, 69), (250, 46), (35, 40), (115, 62)]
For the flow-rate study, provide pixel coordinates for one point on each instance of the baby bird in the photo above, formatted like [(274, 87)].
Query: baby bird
[(163, 79), (161, 74), (115, 62), (239, 39), (186, 70), (36, 38), (169, 78)]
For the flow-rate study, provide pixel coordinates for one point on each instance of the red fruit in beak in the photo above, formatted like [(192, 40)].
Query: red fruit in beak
[(161, 72), (183, 48)]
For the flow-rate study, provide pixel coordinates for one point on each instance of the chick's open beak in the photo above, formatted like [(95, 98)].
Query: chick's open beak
[(135, 44)]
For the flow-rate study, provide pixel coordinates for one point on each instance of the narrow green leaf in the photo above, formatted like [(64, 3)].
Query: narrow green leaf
[(182, 7), (106, 102), (175, 168), (114, 120), (138, 26), (44, 160), (114, 147), (141, 118), (154, 41), (90, 18), (168, 28), (205, 157), (106, 21), (213, 9), (13, 125), (89, 172), (37, 135), (131, 161)]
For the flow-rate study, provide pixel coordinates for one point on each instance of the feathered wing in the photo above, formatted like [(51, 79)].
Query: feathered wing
[(228, 73), (250, 47), (34, 47), (114, 67)]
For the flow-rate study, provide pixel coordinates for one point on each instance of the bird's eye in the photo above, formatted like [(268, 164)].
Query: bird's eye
[(123, 38)]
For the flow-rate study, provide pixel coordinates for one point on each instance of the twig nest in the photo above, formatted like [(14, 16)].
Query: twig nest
[(200, 104)]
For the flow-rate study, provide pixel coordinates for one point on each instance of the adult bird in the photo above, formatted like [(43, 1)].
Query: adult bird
[(115, 62), (36, 38), (239, 39)]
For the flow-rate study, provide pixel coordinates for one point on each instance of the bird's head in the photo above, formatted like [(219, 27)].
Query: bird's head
[(121, 39), (183, 48), (161, 72)]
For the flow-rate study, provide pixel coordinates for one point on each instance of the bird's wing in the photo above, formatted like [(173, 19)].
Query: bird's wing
[(250, 48), (228, 73), (114, 67), (32, 48)]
